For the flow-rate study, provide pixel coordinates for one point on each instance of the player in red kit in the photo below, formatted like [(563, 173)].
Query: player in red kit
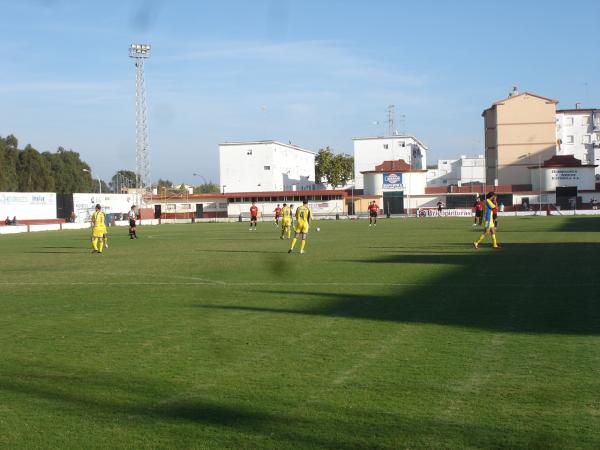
[(253, 216), (373, 210), (478, 212), (277, 215)]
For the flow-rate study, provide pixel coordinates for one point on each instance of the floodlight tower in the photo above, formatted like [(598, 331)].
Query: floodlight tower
[(139, 52)]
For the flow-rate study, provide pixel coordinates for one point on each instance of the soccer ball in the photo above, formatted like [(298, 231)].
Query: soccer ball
[(318, 229)]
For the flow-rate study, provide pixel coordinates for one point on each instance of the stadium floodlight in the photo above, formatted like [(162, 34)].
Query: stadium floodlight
[(139, 52)]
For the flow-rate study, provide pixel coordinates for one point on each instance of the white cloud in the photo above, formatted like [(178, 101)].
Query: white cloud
[(325, 57)]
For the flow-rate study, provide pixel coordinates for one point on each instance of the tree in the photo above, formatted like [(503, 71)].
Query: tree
[(122, 179), (335, 169), (207, 188), (68, 171), (9, 157), (27, 170), (34, 172), (100, 184)]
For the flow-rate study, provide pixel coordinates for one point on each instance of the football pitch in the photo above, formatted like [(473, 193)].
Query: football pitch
[(207, 336)]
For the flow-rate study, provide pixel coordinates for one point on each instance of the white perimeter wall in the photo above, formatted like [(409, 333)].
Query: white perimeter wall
[(28, 205), (266, 209), (85, 204)]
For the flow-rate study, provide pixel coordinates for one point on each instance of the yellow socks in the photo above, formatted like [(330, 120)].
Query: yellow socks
[(494, 243), (481, 238), (95, 243), (101, 246), (302, 244), (293, 243)]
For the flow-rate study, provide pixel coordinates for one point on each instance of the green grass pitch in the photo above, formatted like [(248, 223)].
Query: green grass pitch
[(211, 336)]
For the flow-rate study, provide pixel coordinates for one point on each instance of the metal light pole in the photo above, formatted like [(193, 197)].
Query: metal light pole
[(99, 182), (540, 182), (139, 52)]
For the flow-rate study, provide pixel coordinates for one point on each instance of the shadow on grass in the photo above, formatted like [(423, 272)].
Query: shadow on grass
[(528, 288), (60, 252), (85, 395), (581, 224), (240, 251)]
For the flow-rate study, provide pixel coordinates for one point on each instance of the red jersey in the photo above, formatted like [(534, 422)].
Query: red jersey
[(277, 212), (478, 205), (254, 211), (373, 208)]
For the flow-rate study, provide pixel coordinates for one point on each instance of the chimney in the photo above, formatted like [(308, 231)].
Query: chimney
[(577, 105)]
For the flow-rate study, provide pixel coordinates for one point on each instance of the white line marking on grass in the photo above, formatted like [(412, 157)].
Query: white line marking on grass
[(205, 282)]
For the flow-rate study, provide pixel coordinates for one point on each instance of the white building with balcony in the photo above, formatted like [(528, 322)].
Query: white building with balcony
[(265, 166), (462, 171), (578, 134), (373, 151)]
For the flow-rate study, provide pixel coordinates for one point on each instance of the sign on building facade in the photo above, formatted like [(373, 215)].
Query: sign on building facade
[(392, 180)]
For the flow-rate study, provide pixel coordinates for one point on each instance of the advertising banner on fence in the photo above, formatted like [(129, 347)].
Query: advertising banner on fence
[(392, 180), (433, 212), (117, 204), (28, 205)]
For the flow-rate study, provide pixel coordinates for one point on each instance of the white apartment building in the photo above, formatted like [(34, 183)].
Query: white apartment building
[(372, 151), (265, 166), (465, 170), (578, 134)]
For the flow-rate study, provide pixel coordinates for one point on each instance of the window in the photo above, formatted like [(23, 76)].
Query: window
[(385, 146), (569, 139), (568, 121), (585, 139), (402, 144), (249, 152), (185, 206), (267, 167), (585, 120)]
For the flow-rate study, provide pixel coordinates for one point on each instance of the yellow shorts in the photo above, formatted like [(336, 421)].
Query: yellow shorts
[(490, 224), (98, 232), (286, 222), (301, 227)]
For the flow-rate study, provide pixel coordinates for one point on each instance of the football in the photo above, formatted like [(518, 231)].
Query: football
[(318, 229)]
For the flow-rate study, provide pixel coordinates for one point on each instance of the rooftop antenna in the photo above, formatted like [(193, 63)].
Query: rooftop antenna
[(391, 120), (515, 91), (139, 52)]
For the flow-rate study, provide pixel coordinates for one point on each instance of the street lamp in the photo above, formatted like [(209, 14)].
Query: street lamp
[(99, 183)]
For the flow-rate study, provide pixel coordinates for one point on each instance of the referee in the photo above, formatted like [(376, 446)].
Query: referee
[(132, 216)]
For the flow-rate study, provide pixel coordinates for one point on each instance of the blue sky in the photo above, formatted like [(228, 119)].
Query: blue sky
[(314, 72)]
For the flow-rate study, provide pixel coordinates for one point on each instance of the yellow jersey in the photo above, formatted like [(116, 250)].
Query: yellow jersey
[(303, 214), (98, 220), (286, 212)]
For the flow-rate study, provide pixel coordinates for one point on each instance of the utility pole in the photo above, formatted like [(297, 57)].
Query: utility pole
[(140, 52)]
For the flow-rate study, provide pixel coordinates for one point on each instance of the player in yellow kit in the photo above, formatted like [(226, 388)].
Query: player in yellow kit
[(303, 217), (98, 230), (286, 221), (490, 226)]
